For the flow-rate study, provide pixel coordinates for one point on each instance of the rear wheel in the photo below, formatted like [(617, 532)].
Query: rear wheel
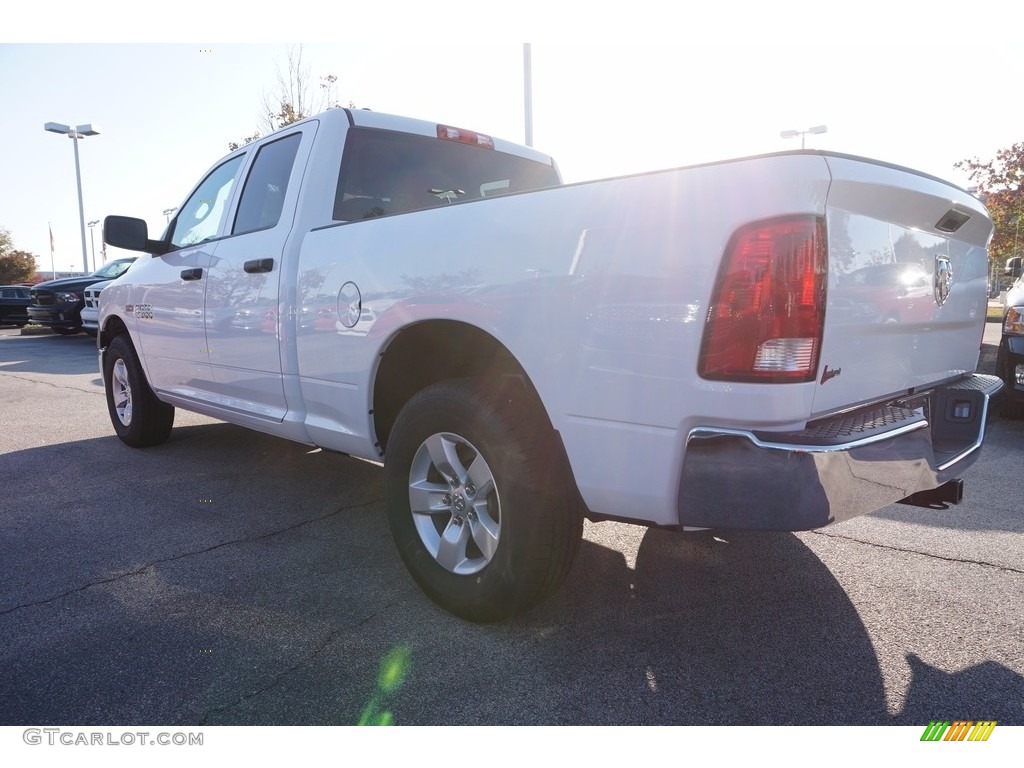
[(139, 419), (480, 500)]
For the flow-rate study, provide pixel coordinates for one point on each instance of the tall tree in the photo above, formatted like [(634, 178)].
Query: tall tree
[(1001, 185), (294, 98), (15, 266)]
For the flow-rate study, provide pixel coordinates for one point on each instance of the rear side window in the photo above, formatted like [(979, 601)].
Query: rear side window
[(386, 172), (264, 191)]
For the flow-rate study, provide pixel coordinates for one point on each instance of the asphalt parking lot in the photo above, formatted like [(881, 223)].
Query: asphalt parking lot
[(227, 577)]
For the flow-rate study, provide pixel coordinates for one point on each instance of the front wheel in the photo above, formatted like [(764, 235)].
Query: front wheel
[(480, 499), (139, 419)]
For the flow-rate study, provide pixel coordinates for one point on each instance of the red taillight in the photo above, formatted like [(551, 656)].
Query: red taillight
[(463, 136), (767, 312)]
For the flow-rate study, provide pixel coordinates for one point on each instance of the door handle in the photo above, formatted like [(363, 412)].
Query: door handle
[(259, 265), (192, 274)]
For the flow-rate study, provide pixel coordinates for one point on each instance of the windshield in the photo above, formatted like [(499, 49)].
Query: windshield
[(112, 270)]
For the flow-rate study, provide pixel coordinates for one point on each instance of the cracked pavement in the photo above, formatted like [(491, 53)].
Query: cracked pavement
[(228, 577)]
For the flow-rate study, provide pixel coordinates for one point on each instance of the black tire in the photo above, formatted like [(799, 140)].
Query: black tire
[(66, 331), (146, 421), (532, 499)]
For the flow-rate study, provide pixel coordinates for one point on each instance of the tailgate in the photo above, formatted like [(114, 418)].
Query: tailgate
[(907, 288)]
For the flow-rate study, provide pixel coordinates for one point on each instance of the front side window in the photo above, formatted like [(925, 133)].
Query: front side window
[(263, 194), (201, 216)]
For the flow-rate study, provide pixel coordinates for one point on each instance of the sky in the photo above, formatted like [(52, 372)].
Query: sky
[(603, 105)]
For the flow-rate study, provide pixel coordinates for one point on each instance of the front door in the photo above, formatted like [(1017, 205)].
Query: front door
[(171, 287)]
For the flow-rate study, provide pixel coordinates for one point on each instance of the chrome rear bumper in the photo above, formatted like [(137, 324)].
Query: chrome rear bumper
[(837, 468)]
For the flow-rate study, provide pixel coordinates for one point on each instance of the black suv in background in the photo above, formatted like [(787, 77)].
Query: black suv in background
[(58, 303), (14, 301)]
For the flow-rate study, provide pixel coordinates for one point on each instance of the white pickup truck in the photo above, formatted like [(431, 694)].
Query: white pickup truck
[(776, 343)]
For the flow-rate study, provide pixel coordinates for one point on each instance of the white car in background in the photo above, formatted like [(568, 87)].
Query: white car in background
[(91, 310)]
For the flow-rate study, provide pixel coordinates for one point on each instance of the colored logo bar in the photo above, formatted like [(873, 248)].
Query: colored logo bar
[(958, 730)]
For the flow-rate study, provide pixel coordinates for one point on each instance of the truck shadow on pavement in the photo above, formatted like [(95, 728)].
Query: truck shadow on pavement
[(134, 600), (747, 629)]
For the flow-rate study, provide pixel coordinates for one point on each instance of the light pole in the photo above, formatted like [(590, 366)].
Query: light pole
[(168, 212), (76, 133), (803, 134), (92, 241), (528, 92)]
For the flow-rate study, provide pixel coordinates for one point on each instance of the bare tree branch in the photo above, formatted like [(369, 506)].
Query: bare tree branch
[(294, 97)]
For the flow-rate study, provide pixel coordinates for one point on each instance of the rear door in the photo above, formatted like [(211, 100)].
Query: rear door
[(907, 290), (244, 284)]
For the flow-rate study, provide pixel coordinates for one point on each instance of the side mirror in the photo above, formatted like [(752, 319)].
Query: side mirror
[(130, 234)]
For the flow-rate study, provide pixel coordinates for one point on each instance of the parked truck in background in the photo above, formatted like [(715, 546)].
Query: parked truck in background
[(90, 312), (685, 348), (59, 303)]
